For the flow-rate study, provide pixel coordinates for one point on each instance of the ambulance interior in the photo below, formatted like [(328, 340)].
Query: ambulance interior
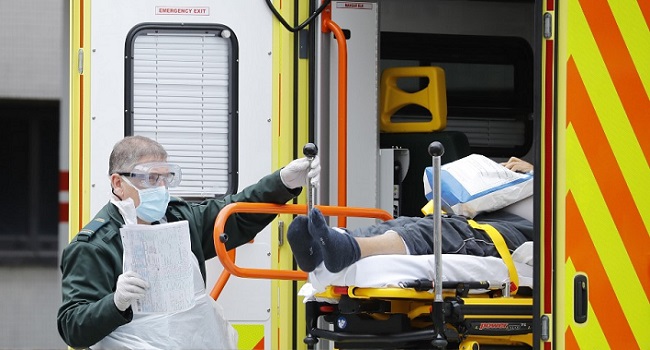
[(490, 106)]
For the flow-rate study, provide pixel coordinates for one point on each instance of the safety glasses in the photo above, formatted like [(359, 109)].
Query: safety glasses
[(147, 175)]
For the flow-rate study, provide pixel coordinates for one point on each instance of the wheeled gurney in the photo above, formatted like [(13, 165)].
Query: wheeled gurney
[(397, 301), (386, 302)]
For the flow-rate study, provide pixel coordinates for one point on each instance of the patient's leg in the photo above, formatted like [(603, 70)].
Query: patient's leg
[(390, 242), (339, 249), (305, 249)]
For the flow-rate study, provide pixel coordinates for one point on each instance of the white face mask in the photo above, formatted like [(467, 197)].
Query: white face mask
[(153, 202)]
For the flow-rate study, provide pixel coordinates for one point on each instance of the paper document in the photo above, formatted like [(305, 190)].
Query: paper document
[(161, 255)]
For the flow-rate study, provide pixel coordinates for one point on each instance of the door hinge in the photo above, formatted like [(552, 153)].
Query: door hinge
[(548, 25), (80, 61), (545, 334), (280, 233)]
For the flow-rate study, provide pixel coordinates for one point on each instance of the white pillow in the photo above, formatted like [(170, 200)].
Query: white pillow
[(524, 254), (523, 208), (476, 184)]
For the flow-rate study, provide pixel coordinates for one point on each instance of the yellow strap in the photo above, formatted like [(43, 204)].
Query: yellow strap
[(427, 209), (499, 244), (502, 248)]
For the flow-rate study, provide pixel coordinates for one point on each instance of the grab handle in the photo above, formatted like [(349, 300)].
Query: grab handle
[(329, 26)]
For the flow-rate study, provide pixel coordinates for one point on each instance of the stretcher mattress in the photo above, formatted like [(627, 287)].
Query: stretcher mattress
[(389, 270)]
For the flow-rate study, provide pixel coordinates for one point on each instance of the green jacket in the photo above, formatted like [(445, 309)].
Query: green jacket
[(92, 261)]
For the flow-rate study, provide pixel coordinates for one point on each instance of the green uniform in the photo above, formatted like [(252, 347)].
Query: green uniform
[(92, 262)]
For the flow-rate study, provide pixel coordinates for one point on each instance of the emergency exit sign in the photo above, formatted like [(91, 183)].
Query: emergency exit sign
[(354, 5), (182, 10)]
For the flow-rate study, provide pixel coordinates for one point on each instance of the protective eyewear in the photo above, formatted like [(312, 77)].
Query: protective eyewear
[(146, 175)]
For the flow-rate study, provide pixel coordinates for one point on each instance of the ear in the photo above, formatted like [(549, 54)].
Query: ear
[(116, 185)]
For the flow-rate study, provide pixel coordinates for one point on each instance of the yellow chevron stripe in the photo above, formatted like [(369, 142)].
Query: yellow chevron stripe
[(608, 106), (632, 24), (590, 334), (611, 251), (248, 335)]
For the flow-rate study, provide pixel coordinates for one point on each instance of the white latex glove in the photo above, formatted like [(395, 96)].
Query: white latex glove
[(295, 174), (130, 287)]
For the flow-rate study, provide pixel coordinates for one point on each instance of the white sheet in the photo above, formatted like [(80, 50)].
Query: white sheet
[(389, 270)]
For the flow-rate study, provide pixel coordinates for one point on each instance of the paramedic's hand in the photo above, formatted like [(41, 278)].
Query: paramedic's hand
[(295, 174), (518, 165), (130, 287)]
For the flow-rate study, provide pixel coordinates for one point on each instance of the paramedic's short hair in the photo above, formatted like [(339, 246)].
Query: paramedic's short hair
[(128, 152)]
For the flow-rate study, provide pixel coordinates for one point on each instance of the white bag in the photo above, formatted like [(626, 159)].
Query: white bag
[(477, 184)]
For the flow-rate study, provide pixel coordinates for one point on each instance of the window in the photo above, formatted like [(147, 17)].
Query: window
[(29, 213), (181, 90), (489, 84)]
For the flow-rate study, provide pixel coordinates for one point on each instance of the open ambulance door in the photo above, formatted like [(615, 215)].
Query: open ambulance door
[(202, 79), (595, 156)]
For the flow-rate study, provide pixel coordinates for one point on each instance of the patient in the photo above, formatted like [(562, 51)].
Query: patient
[(313, 241)]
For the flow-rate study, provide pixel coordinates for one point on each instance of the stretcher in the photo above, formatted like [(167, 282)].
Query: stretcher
[(405, 302), (387, 301)]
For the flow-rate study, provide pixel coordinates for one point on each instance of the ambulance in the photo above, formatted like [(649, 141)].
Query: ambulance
[(235, 89)]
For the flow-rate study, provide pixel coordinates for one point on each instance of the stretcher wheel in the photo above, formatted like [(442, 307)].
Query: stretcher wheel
[(439, 343), (310, 341), (469, 345)]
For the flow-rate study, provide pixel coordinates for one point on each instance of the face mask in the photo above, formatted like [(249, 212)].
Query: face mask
[(153, 202)]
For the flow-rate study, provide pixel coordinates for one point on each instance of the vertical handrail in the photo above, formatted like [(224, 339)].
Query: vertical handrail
[(227, 258), (436, 150), (330, 26)]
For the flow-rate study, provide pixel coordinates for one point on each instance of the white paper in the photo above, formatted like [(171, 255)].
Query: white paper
[(161, 255)]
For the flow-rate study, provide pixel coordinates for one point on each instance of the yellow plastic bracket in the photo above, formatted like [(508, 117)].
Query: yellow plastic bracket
[(433, 98)]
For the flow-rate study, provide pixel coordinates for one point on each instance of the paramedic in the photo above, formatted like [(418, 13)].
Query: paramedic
[(312, 241), (97, 295)]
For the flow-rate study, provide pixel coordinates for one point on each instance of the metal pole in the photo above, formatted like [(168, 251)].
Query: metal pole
[(310, 151), (436, 150)]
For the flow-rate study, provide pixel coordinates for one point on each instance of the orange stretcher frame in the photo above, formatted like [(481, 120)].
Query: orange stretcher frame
[(227, 258)]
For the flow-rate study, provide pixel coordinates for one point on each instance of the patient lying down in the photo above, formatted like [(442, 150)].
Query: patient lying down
[(313, 241)]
